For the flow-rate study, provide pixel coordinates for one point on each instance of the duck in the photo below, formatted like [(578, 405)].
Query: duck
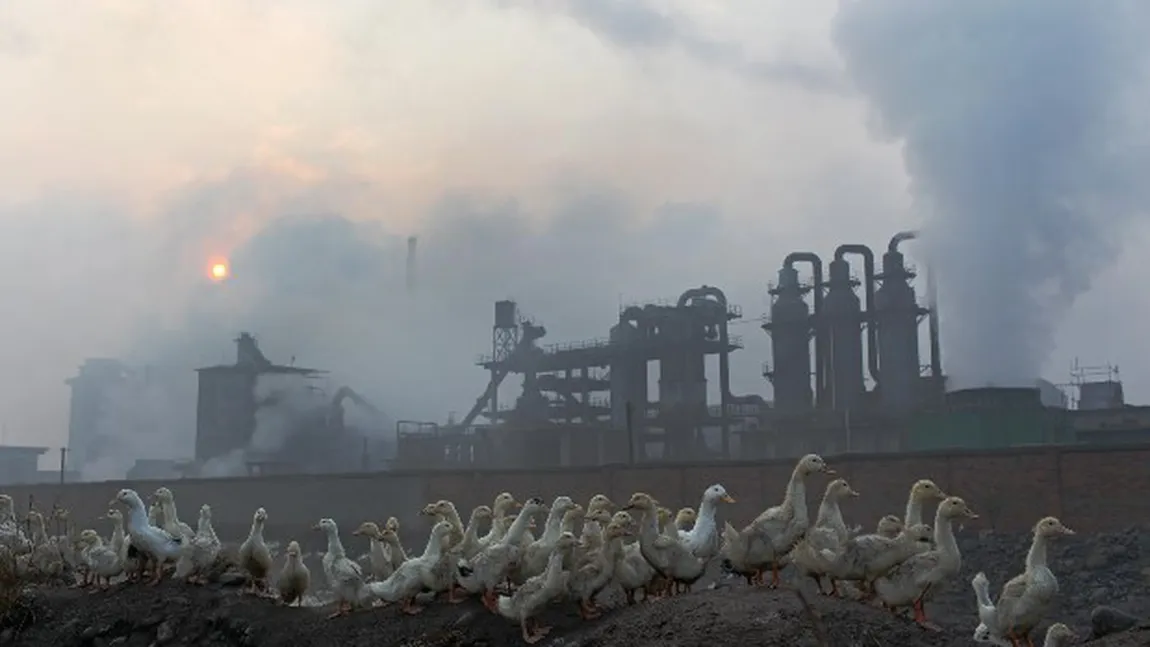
[(500, 512), (685, 520), (155, 544), (414, 575), (444, 510), (829, 532), (294, 578), (909, 582), (344, 576), (590, 537), (469, 545), (537, 592), (535, 557), (866, 557), (482, 573), (632, 571), (122, 543), (12, 536), (889, 526), (669, 557), (205, 547), (102, 559), (769, 539), (574, 517), (254, 556), (379, 555), (171, 523), (923, 491), (585, 582), (1026, 598)]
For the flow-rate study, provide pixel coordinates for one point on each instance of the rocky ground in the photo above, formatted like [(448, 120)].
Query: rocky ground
[(1108, 569)]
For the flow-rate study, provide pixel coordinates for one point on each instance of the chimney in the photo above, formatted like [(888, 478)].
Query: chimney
[(411, 240)]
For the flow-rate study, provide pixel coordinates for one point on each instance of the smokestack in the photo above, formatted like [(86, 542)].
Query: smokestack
[(411, 240)]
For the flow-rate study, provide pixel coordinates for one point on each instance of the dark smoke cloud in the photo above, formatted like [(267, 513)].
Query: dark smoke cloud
[(1017, 132), (636, 25)]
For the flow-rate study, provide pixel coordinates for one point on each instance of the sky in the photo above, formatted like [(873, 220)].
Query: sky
[(571, 154)]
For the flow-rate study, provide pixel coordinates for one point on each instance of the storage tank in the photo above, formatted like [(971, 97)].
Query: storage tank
[(842, 317), (628, 379), (896, 313), (791, 331)]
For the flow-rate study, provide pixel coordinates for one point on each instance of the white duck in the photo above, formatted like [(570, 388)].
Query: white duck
[(489, 568), (254, 556), (922, 492), (829, 533), (500, 511), (122, 544), (769, 539), (414, 575), (1025, 599), (908, 583), (156, 544), (585, 582), (205, 547), (703, 539), (344, 576), (102, 560), (379, 555), (172, 522), (535, 557), (866, 557), (295, 578), (537, 592), (889, 526), (669, 557)]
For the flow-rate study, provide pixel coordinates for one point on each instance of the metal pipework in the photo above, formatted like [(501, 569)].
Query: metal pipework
[(724, 355), (932, 304), (820, 336), (868, 290)]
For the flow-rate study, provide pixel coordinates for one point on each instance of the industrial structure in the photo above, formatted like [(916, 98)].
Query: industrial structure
[(309, 435)]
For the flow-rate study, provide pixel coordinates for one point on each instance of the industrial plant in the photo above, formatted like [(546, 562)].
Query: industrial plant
[(855, 366)]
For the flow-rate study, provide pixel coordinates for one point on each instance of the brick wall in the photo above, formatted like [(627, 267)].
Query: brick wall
[(1091, 488)]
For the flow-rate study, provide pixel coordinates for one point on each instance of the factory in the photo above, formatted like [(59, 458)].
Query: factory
[(855, 366), (846, 371)]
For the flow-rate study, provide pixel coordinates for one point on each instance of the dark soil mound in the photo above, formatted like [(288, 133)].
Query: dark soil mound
[(176, 614)]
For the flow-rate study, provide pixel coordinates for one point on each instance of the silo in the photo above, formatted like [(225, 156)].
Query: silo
[(790, 330), (842, 318), (897, 312)]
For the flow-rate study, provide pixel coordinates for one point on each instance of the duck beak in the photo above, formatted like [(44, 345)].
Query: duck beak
[(113, 502), (971, 515), (726, 498), (1067, 531), (516, 505), (853, 492), (828, 470), (316, 527)]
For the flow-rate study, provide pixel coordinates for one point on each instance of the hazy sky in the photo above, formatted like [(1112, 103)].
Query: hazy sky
[(571, 154)]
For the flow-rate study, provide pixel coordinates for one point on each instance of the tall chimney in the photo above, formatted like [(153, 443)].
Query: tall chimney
[(410, 276)]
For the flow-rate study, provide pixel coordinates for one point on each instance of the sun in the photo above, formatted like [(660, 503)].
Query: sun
[(219, 271)]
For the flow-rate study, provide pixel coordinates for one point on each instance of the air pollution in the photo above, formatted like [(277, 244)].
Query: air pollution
[(1019, 129)]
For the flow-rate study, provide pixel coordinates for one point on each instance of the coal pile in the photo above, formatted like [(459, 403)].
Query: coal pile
[(1103, 569)]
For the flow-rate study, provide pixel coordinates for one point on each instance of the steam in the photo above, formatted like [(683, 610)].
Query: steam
[(285, 405), (1016, 125)]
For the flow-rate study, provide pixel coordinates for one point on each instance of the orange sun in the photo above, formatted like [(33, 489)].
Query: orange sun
[(219, 271)]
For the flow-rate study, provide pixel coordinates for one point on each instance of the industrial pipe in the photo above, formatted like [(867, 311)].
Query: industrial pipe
[(868, 290), (724, 356), (820, 341), (932, 306)]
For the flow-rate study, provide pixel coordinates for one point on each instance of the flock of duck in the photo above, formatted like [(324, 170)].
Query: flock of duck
[(638, 547)]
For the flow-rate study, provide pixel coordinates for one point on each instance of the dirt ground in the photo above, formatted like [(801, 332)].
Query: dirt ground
[(1108, 569)]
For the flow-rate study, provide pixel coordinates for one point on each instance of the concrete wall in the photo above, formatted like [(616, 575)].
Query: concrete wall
[(1091, 488)]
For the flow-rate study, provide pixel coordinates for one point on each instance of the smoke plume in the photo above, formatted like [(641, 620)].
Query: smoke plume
[(1018, 122)]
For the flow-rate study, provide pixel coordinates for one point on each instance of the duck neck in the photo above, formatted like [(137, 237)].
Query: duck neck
[(830, 514), (168, 508), (257, 531), (434, 547), (796, 497), (518, 528), (334, 545), (397, 549), (471, 534), (1036, 557), (944, 534), (117, 531), (553, 578), (705, 520), (554, 525), (913, 514), (137, 516)]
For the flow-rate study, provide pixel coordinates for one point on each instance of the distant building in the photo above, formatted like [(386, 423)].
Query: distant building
[(20, 465), (91, 390)]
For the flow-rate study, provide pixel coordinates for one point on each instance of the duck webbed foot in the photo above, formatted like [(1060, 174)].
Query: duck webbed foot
[(532, 631)]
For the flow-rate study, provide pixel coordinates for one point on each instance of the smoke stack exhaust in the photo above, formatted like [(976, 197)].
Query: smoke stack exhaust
[(410, 276)]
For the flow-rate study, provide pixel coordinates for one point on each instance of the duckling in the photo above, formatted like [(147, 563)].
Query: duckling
[(829, 532), (1059, 635), (444, 510), (922, 492), (537, 592), (889, 526), (254, 556), (535, 557), (909, 582), (482, 573), (102, 560), (379, 558), (344, 576), (295, 578), (590, 538), (500, 522), (205, 547), (415, 575), (589, 579)]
